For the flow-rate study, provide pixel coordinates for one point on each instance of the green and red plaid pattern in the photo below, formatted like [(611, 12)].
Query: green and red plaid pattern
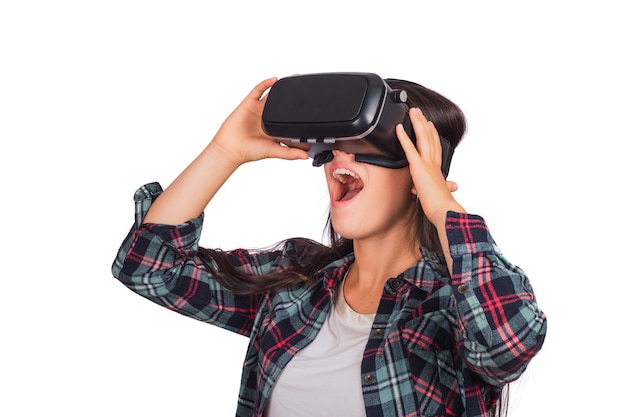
[(439, 345)]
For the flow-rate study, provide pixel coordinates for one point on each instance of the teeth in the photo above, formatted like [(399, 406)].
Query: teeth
[(339, 173)]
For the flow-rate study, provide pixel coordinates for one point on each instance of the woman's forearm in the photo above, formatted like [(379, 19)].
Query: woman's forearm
[(188, 195)]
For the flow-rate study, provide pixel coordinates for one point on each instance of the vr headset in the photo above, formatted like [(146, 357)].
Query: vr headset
[(350, 111)]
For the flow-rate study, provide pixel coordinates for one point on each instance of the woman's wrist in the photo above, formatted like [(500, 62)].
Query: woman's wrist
[(439, 216), (219, 154)]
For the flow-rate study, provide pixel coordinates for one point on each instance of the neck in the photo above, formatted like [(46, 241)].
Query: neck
[(377, 260)]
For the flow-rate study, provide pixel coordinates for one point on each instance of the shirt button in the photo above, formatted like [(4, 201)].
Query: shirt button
[(378, 333), (462, 288), (369, 378), (395, 284)]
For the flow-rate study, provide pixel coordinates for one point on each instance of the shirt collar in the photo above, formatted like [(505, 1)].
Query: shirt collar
[(333, 273)]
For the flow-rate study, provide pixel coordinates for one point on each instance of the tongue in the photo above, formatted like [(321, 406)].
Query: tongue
[(350, 194)]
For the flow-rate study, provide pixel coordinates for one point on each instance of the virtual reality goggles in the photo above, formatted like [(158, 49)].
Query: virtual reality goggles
[(349, 111)]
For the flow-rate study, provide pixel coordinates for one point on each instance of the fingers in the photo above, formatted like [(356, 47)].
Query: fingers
[(427, 144), (407, 145), (426, 136), (258, 91), (285, 152)]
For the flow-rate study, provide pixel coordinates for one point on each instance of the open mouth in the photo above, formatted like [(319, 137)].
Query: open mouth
[(349, 186)]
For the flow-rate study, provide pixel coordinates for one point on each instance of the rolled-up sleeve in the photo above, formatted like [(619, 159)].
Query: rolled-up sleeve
[(160, 263), (500, 322)]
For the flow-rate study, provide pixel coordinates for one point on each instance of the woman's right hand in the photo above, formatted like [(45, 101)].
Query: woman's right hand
[(241, 138)]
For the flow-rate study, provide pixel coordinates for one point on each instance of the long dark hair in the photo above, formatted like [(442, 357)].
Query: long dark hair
[(450, 123)]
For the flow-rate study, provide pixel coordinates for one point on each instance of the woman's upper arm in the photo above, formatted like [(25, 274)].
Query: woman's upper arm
[(501, 323), (160, 262)]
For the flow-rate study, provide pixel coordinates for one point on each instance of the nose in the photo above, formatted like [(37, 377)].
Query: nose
[(339, 154), (328, 155)]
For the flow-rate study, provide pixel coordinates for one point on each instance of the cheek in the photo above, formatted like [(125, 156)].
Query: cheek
[(393, 195), (382, 206), (395, 183), (327, 177)]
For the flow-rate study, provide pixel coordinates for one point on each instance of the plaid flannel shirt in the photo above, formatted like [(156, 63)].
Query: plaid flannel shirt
[(439, 346)]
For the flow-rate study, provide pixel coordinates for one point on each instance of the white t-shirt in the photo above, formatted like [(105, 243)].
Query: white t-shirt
[(324, 378)]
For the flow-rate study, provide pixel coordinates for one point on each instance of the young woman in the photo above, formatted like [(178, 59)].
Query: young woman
[(410, 311)]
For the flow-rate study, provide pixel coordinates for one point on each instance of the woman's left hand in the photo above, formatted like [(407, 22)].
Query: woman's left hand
[(435, 193)]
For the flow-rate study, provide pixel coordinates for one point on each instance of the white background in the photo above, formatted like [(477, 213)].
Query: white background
[(100, 97)]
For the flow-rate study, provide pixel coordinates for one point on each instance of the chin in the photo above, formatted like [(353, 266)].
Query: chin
[(341, 225), (351, 225)]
